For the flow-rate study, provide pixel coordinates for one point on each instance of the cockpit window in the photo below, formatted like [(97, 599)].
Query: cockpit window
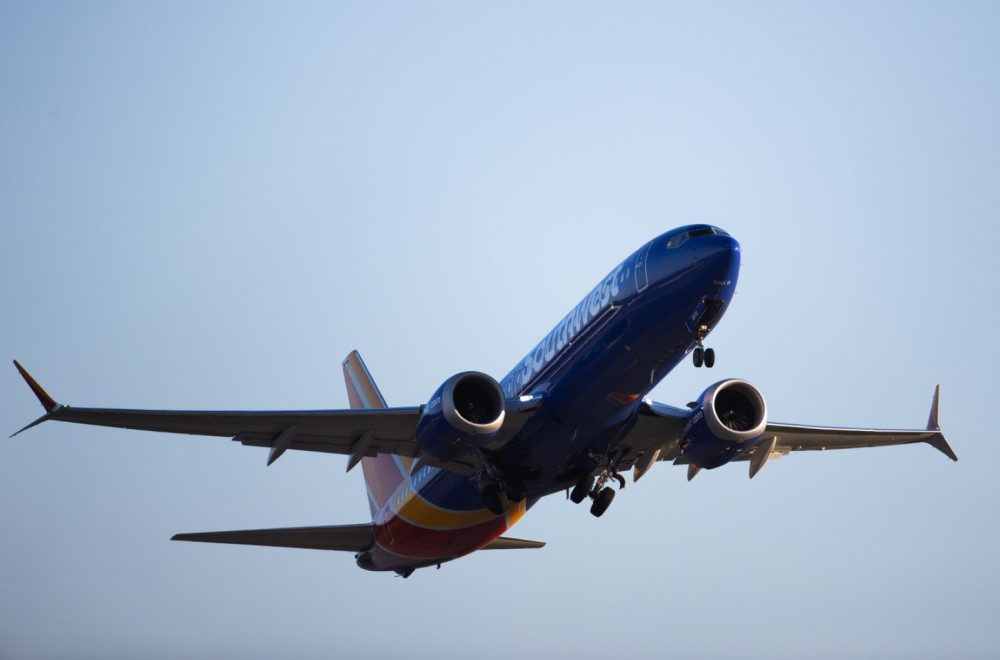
[(678, 239)]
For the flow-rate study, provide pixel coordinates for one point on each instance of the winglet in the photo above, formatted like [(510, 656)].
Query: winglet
[(47, 402), (932, 421), (938, 441)]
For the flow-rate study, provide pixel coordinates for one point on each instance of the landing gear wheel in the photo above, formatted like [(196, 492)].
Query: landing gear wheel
[(709, 358), (582, 489), (516, 492), (698, 357), (602, 501), (494, 499)]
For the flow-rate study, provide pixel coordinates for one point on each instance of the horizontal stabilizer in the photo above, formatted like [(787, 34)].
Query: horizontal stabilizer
[(508, 543), (349, 538)]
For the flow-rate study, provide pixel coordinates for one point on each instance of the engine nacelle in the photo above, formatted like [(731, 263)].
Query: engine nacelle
[(461, 416), (728, 419)]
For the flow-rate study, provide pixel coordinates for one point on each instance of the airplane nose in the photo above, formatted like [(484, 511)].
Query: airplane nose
[(720, 253), (721, 245), (730, 246), (699, 253)]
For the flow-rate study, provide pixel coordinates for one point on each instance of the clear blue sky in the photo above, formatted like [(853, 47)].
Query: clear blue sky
[(208, 205)]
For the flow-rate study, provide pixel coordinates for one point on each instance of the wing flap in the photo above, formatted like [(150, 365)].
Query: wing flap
[(347, 538)]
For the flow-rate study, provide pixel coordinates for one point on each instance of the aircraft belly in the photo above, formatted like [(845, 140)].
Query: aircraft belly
[(592, 402), (405, 539), (434, 517)]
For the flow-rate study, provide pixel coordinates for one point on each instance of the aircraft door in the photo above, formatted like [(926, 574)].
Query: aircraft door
[(641, 278)]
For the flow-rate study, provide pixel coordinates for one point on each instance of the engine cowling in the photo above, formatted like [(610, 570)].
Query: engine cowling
[(463, 414), (727, 420)]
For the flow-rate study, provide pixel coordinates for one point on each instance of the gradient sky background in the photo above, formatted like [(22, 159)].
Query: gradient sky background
[(208, 205)]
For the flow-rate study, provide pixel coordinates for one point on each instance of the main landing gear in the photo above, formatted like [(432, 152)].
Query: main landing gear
[(494, 498), (499, 491), (498, 497), (594, 487)]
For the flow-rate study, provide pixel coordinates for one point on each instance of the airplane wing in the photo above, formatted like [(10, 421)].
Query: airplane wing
[(656, 435), (356, 433)]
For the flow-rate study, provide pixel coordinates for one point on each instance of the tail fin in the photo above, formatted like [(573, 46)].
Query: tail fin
[(383, 473)]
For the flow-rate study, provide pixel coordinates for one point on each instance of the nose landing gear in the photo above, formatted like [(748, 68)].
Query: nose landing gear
[(701, 354), (704, 356)]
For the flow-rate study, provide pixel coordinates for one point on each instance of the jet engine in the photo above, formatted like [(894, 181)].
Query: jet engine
[(727, 420), (463, 414)]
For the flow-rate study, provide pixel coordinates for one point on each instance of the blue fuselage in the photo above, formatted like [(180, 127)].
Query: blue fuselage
[(642, 323), (593, 370)]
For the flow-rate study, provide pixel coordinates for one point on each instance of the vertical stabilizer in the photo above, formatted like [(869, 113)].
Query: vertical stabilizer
[(383, 473)]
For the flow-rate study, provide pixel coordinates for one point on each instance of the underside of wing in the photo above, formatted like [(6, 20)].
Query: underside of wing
[(354, 432), (657, 432), (348, 538), (654, 437), (792, 437), (780, 439), (386, 430)]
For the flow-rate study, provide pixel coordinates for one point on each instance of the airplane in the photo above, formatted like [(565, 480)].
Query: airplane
[(450, 477)]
